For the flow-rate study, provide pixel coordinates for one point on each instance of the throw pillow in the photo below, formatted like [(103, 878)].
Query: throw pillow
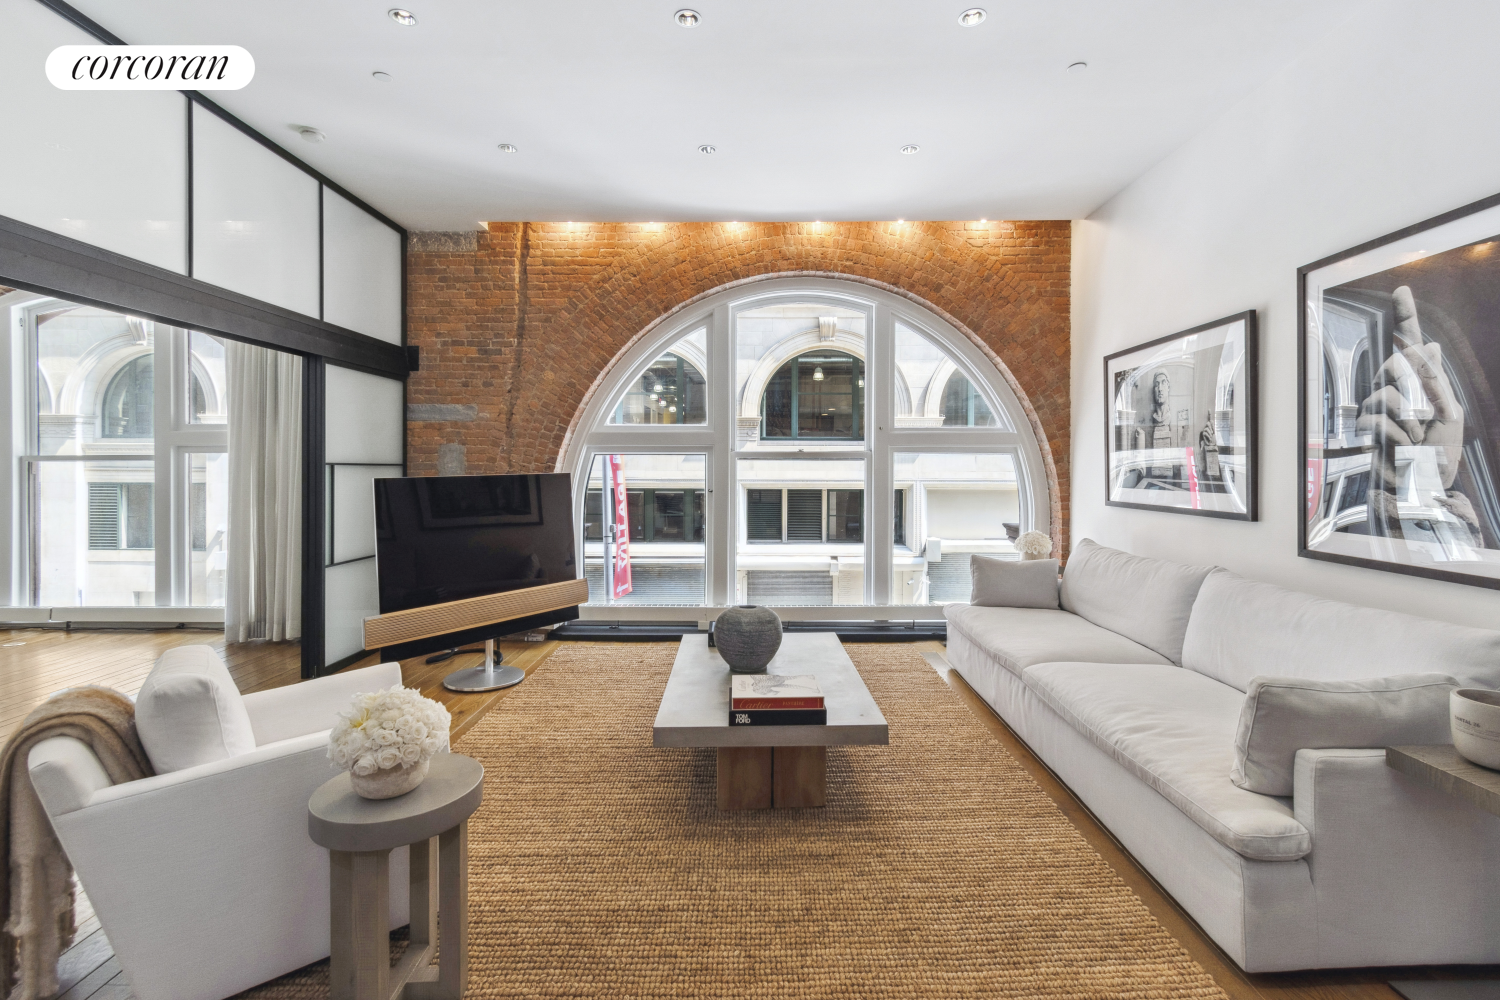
[(189, 711), (1282, 715), (1003, 583), (1146, 600)]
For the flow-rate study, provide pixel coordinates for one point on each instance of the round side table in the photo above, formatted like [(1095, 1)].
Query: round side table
[(360, 835)]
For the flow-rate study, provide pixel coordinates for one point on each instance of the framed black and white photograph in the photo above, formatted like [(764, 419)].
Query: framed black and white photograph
[(1399, 358), (1180, 422)]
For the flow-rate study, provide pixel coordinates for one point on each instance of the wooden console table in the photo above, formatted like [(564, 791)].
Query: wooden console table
[(1441, 767)]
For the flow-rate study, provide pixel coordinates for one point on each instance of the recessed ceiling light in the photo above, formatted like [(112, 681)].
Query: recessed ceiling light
[(909, 149), (971, 17), (382, 77), (1077, 67), (310, 134), (687, 18), (706, 148), (506, 147), (405, 17)]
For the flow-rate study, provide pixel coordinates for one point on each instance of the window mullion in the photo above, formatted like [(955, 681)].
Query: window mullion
[(796, 403), (879, 501), (164, 384)]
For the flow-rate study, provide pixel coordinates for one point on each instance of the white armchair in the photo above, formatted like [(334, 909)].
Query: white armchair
[(204, 879)]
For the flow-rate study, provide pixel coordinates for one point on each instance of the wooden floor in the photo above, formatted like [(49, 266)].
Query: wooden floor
[(36, 662), (49, 660)]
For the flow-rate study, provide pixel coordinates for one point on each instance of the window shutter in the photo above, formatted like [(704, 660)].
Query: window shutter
[(804, 515), (763, 515), (104, 515)]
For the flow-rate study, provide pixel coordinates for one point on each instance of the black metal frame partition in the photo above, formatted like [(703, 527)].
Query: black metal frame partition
[(45, 262)]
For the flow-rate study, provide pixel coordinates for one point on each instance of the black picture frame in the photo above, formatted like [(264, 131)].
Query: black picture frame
[(1233, 497), (1435, 313), (479, 501)]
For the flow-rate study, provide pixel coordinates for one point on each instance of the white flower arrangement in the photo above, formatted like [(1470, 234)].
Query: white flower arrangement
[(386, 729), (1034, 545)]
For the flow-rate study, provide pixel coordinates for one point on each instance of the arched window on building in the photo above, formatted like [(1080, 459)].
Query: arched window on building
[(834, 445), (669, 392), (130, 400), (128, 410), (815, 396), (963, 405)]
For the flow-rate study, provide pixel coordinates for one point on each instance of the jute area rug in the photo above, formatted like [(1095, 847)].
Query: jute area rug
[(600, 867)]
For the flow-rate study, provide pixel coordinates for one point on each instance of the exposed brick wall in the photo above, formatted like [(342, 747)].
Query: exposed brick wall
[(522, 321)]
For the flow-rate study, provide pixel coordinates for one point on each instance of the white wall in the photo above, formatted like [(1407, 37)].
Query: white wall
[(1388, 122)]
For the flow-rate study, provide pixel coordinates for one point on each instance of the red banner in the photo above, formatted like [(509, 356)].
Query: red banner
[(1192, 471), (620, 571), (1314, 487)]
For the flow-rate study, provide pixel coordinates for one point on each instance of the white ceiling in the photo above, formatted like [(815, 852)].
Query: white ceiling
[(808, 101)]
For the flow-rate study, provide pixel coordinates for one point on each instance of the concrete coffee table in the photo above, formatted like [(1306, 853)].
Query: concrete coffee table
[(765, 766)]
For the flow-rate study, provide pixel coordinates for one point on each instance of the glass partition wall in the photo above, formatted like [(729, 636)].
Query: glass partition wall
[(834, 451)]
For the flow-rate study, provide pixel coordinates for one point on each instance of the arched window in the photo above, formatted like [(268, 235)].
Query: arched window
[(669, 392), (816, 396), (1330, 402), (834, 444), (129, 400), (963, 405), (1364, 376)]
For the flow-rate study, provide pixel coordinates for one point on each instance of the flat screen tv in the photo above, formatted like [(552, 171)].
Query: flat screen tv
[(446, 538)]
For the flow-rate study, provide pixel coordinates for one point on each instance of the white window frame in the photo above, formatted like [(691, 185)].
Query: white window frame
[(716, 439), (174, 439)]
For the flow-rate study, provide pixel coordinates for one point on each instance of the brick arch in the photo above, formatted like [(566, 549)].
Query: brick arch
[(523, 321)]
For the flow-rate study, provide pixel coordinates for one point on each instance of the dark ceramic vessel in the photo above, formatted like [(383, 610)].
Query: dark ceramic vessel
[(747, 636)]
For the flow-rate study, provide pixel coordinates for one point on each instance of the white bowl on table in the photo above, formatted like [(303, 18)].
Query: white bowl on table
[(1475, 718)]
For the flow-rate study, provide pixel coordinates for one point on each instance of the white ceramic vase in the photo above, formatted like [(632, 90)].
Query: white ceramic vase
[(389, 782), (1475, 717)]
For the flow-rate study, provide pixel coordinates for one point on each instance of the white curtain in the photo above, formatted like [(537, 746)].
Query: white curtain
[(263, 592)]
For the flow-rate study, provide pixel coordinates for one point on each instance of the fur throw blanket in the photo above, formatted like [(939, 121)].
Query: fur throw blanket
[(37, 899)]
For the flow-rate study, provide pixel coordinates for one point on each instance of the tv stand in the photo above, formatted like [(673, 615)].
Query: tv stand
[(451, 620), (488, 676)]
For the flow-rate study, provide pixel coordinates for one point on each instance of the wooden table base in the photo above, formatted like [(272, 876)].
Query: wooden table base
[(767, 777), (359, 894)]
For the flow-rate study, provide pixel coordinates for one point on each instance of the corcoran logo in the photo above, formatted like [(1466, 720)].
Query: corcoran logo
[(150, 67)]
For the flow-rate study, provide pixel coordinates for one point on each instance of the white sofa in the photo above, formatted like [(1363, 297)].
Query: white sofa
[(1131, 693), (204, 879)]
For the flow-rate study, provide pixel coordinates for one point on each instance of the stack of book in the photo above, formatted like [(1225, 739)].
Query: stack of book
[(776, 700)]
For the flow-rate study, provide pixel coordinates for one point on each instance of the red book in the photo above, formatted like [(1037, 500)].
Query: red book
[(774, 692), (742, 704)]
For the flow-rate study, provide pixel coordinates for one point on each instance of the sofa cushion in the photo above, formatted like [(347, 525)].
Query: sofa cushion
[(1242, 629), (1282, 715), (189, 712), (1007, 583), (1174, 729), (1144, 599), (1019, 637)]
